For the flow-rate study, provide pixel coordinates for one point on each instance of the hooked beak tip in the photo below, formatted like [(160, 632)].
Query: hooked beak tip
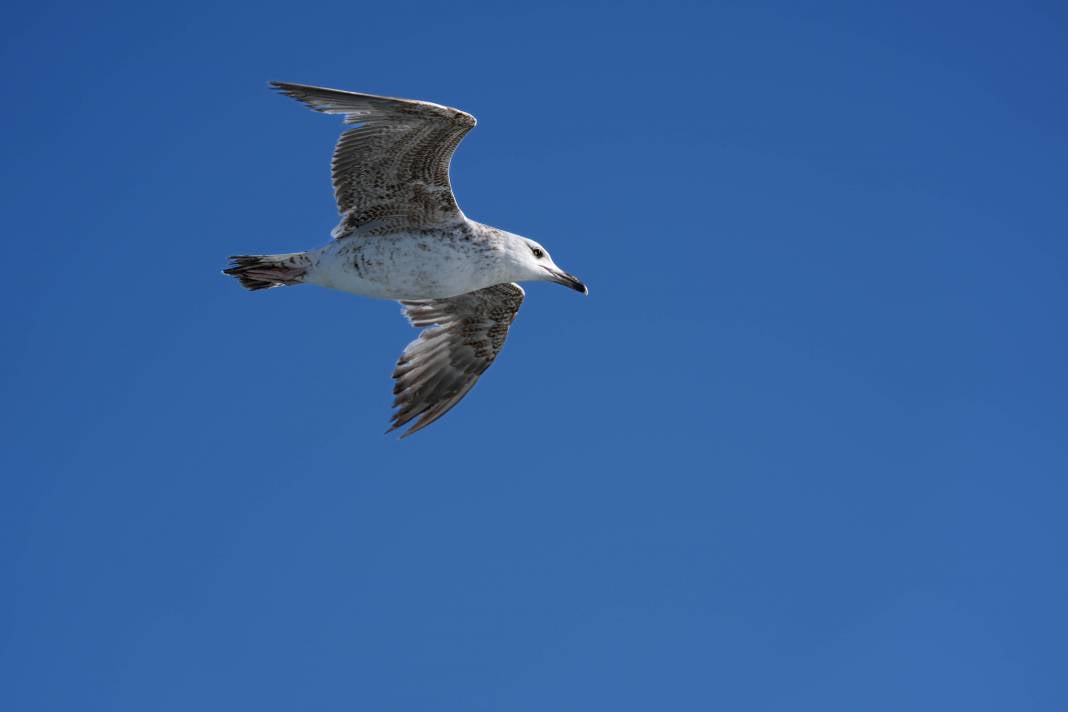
[(568, 280)]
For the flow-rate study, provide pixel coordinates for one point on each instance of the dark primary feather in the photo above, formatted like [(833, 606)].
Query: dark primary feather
[(393, 168), (461, 337)]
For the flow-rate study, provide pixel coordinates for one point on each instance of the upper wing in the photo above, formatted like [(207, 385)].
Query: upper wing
[(463, 335), (393, 168)]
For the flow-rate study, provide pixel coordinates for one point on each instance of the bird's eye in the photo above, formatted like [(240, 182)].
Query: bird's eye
[(538, 252)]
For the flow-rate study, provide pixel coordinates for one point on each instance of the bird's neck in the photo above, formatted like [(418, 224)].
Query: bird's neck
[(507, 253)]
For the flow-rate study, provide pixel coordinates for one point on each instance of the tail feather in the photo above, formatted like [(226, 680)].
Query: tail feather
[(266, 271)]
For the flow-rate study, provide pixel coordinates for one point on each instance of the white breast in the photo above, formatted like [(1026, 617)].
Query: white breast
[(404, 266)]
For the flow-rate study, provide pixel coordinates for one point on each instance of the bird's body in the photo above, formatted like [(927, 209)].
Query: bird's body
[(403, 237), (435, 263)]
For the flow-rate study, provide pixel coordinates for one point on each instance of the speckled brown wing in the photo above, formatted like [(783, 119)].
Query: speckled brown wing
[(461, 337), (391, 171)]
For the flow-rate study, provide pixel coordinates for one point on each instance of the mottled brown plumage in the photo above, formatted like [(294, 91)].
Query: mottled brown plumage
[(391, 171), (460, 339)]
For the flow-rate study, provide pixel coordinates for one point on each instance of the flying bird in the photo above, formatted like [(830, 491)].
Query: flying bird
[(403, 237)]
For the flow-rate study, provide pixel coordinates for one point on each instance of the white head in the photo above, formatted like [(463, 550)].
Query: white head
[(528, 261)]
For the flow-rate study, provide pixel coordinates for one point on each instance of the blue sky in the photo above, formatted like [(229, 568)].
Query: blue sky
[(803, 447)]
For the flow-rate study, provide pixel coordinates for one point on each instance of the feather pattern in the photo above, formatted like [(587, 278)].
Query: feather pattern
[(461, 337), (391, 171)]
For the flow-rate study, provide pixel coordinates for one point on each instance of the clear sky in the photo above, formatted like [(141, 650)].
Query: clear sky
[(802, 447)]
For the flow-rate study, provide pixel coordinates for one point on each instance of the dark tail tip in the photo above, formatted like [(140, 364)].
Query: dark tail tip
[(243, 266)]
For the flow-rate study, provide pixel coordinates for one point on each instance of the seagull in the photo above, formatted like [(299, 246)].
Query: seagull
[(403, 237)]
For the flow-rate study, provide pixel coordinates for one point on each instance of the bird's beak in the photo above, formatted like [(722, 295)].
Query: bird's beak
[(568, 280)]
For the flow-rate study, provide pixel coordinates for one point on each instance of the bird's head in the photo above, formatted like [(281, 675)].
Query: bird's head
[(534, 263)]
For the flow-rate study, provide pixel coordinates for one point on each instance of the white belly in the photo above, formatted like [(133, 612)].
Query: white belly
[(403, 266)]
